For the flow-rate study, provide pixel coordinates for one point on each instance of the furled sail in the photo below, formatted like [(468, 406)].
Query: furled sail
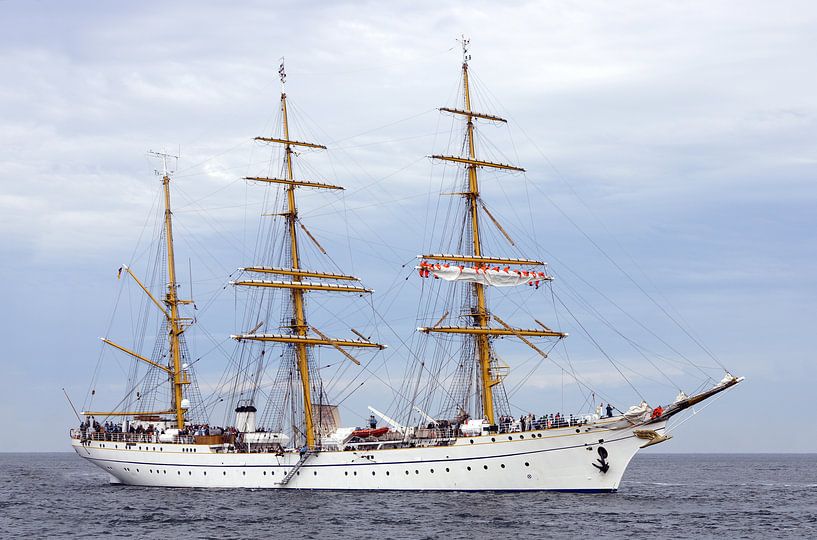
[(486, 275)]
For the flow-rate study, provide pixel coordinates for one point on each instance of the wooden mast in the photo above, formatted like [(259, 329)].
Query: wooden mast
[(297, 294), (300, 338), (172, 301), (481, 311), (175, 371), (480, 328)]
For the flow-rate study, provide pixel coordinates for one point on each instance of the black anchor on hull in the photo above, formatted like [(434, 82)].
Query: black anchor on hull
[(603, 466)]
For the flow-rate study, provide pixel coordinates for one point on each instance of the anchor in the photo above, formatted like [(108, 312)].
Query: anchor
[(603, 466)]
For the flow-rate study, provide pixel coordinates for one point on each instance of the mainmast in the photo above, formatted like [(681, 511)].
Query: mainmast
[(299, 336), (480, 327), (297, 294)]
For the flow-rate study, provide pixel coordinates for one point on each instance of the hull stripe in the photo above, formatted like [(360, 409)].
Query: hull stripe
[(368, 463)]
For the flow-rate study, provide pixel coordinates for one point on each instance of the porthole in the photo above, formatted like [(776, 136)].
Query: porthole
[(244, 473), (224, 473), (346, 473), (373, 473), (407, 472), (387, 473), (503, 465), (469, 468), (354, 473), (205, 473), (521, 436), (472, 441), (179, 473), (485, 467), (447, 469), (432, 471), (151, 471), (527, 464), (510, 438), (416, 472), (578, 431), (298, 473), (265, 473), (189, 473), (315, 473), (493, 439)]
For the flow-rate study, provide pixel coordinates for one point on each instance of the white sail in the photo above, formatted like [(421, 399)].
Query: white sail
[(493, 277)]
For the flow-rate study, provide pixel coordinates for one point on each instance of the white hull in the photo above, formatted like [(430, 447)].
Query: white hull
[(553, 459)]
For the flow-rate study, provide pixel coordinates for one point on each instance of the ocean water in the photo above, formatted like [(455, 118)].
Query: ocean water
[(662, 496)]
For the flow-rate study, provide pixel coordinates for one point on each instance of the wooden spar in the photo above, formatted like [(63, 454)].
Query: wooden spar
[(440, 320), (256, 327), (286, 140), (358, 334), (292, 272), (127, 413), (287, 182), (473, 114), (486, 331), (478, 163), (522, 338), (301, 285), (314, 240), (136, 355), (479, 259), (307, 340), (336, 346), (158, 304), (498, 226)]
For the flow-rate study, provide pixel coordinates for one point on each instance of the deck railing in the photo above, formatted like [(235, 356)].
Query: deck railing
[(87, 435)]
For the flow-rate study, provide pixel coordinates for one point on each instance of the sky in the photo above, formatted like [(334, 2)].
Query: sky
[(669, 147)]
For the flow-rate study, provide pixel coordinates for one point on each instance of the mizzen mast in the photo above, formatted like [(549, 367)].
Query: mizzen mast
[(169, 306), (480, 329), (172, 301)]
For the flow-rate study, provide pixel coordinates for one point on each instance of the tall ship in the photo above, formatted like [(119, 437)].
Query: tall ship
[(450, 426)]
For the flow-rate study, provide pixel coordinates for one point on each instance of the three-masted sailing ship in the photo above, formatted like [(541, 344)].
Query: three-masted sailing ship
[(471, 443)]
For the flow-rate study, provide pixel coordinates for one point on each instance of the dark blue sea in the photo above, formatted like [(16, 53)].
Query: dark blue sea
[(662, 496)]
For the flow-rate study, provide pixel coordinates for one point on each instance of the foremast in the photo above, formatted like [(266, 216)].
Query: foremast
[(480, 329), (299, 336)]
